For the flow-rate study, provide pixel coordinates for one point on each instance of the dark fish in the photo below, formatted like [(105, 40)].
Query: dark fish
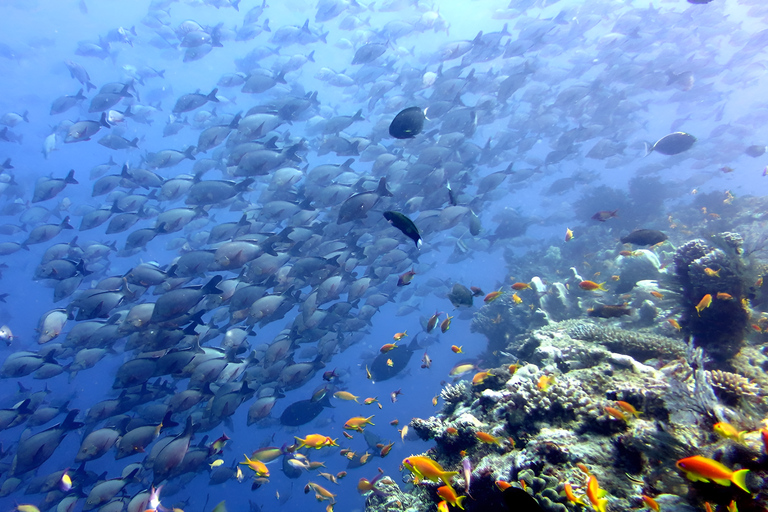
[(644, 237), (407, 123), (517, 500), (304, 411), (604, 215), (460, 296), (405, 225), (608, 311), (673, 144), (387, 365), (755, 151)]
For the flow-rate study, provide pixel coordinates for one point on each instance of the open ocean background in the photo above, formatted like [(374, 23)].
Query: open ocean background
[(38, 36)]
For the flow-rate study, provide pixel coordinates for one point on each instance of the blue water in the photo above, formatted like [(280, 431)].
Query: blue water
[(38, 36)]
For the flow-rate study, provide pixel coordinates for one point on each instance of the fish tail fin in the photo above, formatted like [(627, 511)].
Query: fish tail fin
[(739, 478), (71, 178), (382, 189), (212, 95)]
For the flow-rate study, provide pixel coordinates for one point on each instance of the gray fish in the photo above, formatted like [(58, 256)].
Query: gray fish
[(83, 130), (215, 191), (304, 411), (116, 142), (33, 451), (169, 157), (97, 443), (64, 103), (357, 206), (48, 188), (368, 53), (79, 73), (460, 296), (176, 303), (192, 101)]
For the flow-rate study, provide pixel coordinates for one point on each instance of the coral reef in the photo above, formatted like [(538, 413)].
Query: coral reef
[(638, 345), (714, 279)]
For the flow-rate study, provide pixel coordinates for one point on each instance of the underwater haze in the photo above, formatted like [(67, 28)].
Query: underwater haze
[(383, 255)]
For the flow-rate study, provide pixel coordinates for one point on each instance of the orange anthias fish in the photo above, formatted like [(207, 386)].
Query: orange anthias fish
[(595, 494), (484, 437), (592, 286), (712, 273), (521, 286), (516, 298), (256, 465), (724, 296), (674, 323), (400, 335), (615, 413), (448, 494), (650, 503), (545, 382), (702, 469), (628, 408), (456, 349), (568, 235), (424, 468), (387, 347), (704, 303), (480, 377), (492, 296), (358, 423)]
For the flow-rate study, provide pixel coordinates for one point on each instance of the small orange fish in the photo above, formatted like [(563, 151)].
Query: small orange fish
[(628, 408), (446, 324), (502, 485), (492, 296), (656, 294), (387, 347), (484, 437), (595, 494), (674, 323), (712, 273), (626, 254), (568, 235), (456, 350), (369, 401), (764, 438), (650, 503), (400, 335), (452, 431), (394, 422), (545, 382), (570, 496), (480, 377), (698, 468), (759, 283), (347, 435), (615, 278), (592, 286), (516, 298), (521, 286), (732, 506), (390, 363), (724, 296), (756, 328), (513, 368), (704, 303), (583, 467), (615, 413), (386, 449)]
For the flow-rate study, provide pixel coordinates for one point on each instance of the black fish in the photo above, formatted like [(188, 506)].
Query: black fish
[(405, 225), (381, 369), (673, 144), (407, 123), (518, 500), (304, 411), (608, 311), (644, 237), (460, 296)]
